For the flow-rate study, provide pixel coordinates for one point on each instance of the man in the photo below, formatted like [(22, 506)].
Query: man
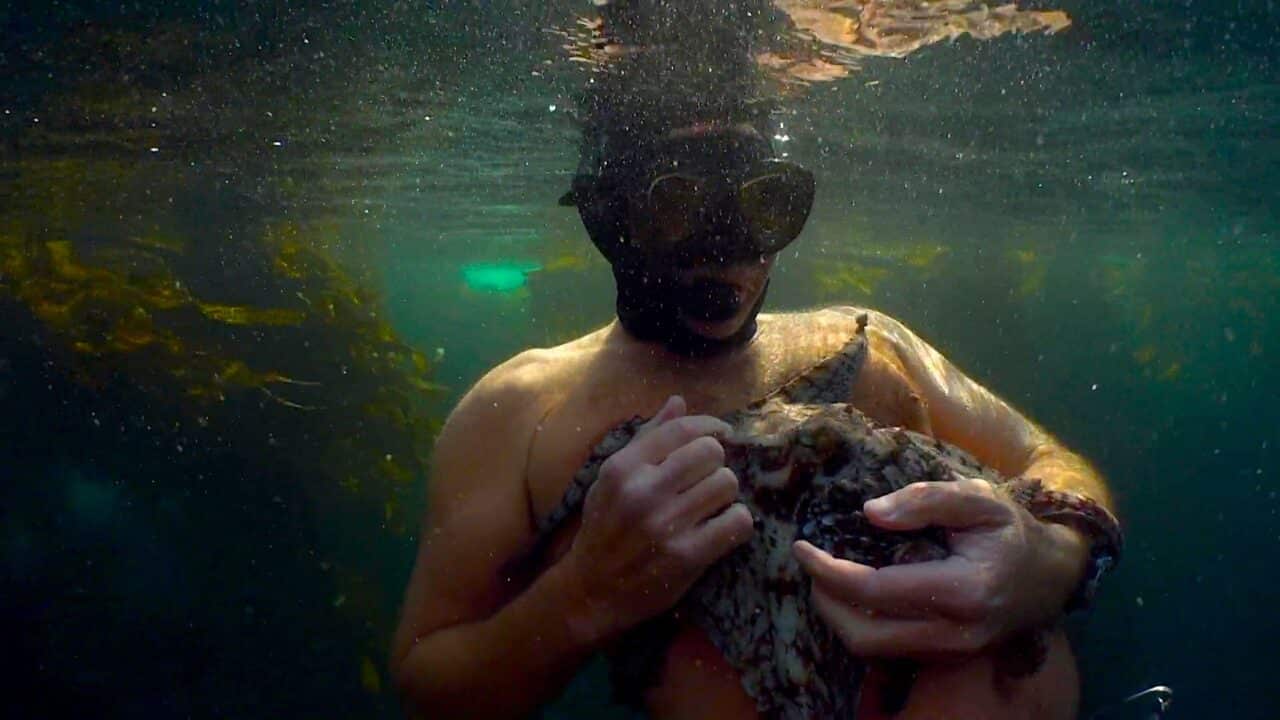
[(691, 216)]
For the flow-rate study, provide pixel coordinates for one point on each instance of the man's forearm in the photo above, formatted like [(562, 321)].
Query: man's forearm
[(503, 667), (1067, 546), (1061, 469)]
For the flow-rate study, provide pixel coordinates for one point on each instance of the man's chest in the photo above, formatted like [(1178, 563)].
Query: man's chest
[(570, 430), (585, 413)]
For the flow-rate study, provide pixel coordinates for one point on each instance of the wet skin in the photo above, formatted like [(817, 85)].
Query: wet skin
[(473, 643)]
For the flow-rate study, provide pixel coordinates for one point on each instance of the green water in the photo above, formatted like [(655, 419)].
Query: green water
[(1085, 222)]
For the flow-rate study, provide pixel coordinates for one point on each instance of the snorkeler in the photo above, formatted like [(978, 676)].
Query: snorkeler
[(691, 214)]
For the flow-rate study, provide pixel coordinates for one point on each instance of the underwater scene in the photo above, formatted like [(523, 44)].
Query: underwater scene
[(252, 254)]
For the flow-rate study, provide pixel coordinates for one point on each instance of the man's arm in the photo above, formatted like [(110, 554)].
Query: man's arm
[(966, 414), (1008, 572), (459, 651)]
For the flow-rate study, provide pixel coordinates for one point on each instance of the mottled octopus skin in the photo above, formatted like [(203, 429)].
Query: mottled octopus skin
[(806, 462)]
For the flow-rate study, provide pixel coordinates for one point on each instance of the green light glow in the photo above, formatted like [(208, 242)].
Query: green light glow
[(503, 277)]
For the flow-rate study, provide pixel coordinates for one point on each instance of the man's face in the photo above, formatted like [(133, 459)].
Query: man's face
[(692, 223), (745, 280), (696, 233)]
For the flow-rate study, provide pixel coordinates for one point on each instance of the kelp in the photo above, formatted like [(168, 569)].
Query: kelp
[(856, 271), (186, 311), (167, 329), (298, 367), (848, 280), (1237, 291)]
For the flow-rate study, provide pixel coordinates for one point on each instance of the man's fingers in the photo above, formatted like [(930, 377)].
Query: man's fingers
[(706, 498), (674, 407), (843, 577), (869, 634), (961, 503), (952, 587), (711, 540), (657, 442), (690, 464)]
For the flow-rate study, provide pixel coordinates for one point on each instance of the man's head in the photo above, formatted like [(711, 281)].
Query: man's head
[(691, 219)]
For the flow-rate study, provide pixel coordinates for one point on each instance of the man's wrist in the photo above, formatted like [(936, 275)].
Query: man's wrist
[(1088, 521), (587, 623), (1070, 549)]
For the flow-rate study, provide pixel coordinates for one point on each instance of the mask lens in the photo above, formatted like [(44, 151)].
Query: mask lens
[(670, 211), (777, 206)]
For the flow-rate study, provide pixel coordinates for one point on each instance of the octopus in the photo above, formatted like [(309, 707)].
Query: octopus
[(806, 460)]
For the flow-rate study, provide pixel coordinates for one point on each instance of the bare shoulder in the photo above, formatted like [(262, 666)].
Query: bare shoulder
[(502, 412), (807, 337), (885, 389), (888, 336), (521, 386)]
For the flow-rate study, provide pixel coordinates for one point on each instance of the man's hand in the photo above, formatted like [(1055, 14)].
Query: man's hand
[(1007, 572), (663, 509)]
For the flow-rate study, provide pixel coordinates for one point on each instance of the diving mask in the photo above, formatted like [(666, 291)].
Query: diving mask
[(695, 197), (769, 200)]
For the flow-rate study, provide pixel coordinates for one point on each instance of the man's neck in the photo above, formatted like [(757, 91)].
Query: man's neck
[(654, 353), (657, 320)]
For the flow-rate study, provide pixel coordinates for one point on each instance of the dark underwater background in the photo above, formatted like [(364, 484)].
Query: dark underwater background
[(252, 253)]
